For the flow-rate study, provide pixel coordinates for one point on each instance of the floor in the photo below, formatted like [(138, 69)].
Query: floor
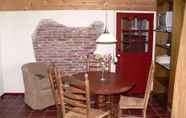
[(12, 106)]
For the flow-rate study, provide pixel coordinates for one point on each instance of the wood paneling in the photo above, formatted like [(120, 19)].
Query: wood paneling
[(179, 99), (178, 9), (77, 4)]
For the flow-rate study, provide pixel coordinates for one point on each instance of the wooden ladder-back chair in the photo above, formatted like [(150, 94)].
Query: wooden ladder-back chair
[(73, 98), (129, 102), (52, 74)]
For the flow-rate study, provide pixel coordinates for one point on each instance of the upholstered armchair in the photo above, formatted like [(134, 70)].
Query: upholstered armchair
[(38, 94)]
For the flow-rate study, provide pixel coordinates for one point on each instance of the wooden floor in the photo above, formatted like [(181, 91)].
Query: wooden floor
[(12, 106)]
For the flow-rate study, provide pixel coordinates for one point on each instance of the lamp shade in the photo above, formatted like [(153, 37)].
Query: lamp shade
[(106, 38)]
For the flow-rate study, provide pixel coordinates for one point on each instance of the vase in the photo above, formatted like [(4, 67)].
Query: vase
[(102, 75)]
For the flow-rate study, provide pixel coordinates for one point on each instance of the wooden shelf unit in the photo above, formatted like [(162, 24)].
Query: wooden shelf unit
[(163, 47)]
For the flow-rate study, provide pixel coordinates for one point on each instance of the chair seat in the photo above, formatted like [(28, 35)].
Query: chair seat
[(94, 113), (131, 102)]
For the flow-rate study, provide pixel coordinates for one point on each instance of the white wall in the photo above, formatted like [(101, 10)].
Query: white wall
[(16, 28), (16, 33), (1, 76)]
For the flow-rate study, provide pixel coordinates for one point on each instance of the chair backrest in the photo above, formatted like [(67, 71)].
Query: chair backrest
[(95, 62), (35, 68), (52, 71), (149, 85), (75, 96)]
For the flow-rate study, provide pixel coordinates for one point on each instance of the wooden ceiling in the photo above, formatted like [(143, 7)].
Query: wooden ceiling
[(77, 4)]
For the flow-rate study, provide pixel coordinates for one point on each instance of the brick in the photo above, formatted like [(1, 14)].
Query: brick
[(65, 46)]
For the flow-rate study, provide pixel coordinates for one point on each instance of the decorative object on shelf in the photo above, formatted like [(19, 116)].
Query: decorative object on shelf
[(163, 60), (165, 21)]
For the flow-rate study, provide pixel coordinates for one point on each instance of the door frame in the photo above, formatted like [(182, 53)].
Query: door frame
[(137, 53)]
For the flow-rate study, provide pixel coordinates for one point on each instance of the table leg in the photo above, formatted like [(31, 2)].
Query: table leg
[(114, 106), (100, 101)]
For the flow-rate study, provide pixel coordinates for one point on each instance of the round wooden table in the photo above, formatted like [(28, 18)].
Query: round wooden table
[(112, 86)]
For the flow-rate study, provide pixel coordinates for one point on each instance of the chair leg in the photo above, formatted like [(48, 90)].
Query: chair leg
[(59, 113), (144, 113), (109, 116), (111, 105), (119, 113)]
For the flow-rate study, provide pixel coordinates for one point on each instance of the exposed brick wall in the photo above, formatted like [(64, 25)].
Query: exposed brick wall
[(66, 46)]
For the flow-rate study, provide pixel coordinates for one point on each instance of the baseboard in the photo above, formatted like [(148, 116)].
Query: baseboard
[(4, 94)]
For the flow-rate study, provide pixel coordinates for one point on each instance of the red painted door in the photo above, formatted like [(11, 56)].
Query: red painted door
[(134, 47)]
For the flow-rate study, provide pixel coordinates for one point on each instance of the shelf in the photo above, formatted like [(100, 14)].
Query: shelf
[(161, 98), (163, 51), (166, 66), (134, 30), (163, 46), (163, 81), (165, 31), (161, 85), (135, 42)]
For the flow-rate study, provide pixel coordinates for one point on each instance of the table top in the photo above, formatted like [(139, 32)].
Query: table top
[(113, 83)]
